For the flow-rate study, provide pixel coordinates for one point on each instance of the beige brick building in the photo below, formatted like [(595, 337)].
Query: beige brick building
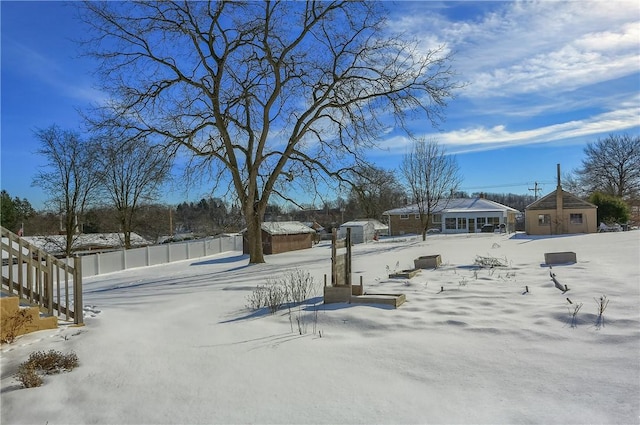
[(560, 213)]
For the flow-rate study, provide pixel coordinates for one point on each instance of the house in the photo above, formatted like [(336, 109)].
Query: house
[(363, 230), (560, 212), (283, 236), (321, 232), (455, 215)]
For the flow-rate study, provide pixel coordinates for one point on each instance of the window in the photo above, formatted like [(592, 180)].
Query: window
[(404, 216), (481, 221), (437, 218), (462, 223), (575, 218), (450, 223), (544, 219), (493, 220)]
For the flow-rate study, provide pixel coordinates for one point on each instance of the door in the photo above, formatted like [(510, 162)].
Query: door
[(472, 225)]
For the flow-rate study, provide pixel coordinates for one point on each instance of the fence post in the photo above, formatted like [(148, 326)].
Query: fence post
[(49, 283), (78, 316)]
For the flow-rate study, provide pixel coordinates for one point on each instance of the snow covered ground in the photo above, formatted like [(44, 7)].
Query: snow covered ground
[(177, 344)]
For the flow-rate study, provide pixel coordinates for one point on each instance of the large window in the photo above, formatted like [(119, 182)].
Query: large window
[(481, 221), (462, 223), (404, 216), (575, 218), (544, 219), (450, 223), (437, 218), (493, 220)]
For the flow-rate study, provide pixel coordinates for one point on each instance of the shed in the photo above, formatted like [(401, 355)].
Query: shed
[(361, 230), (283, 236)]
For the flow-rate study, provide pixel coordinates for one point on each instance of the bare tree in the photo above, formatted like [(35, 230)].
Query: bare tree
[(132, 171), (432, 177), (375, 190), (612, 166), (273, 97), (70, 177)]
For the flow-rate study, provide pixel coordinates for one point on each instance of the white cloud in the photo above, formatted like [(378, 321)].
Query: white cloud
[(524, 47), (477, 138), (48, 70)]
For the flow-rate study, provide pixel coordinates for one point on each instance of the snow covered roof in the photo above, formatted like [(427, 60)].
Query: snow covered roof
[(286, 228), (56, 243), (314, 225), (377, 225), (456, 205)]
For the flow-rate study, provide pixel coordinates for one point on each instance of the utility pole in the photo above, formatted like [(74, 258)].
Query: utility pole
[(535, 191)]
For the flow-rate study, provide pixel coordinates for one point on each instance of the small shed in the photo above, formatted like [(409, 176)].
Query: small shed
[(283, 236), (361, 230)]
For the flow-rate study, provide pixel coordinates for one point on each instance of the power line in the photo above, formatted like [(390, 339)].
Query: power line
[(535, 191), (504, 185)]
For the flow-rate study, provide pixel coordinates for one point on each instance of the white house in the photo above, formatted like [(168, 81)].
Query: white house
[(457, 215)]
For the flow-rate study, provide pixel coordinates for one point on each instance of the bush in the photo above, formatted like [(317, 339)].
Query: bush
[(52, 361), (256, 299), (13, 324), (274, 294), (271, 295), (610, 209), (48, 363), (28, 377), (294, 287), (299, 285)]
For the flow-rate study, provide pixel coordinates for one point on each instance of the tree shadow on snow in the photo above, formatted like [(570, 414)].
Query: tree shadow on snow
[(310, 305), (531, 238), (224, 260)]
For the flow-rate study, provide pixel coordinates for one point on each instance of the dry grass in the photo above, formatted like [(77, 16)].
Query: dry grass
[(47, 363)]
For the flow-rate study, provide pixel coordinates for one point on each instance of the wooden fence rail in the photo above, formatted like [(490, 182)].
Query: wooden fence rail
[(39, 278)]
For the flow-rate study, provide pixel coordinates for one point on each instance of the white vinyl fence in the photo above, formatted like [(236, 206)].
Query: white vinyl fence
[(108, 262)]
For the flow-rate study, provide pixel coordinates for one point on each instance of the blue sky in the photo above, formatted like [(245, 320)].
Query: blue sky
[(542, 80)]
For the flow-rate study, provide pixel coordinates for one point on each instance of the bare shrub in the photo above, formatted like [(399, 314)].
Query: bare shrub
[(574, 309), (28, 377), (12, 325), (299, 285), (274, 294), (294, 288), (257, 299), (52, 361), (602, 304), (48, 363)]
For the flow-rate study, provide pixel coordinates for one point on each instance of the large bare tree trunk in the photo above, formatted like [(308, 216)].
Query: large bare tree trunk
[(254, 235)]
